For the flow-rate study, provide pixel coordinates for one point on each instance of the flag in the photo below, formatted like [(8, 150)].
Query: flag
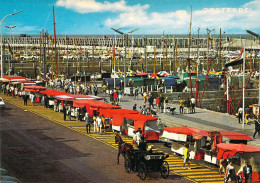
[(10, 49), (210, 39), (237, 61)]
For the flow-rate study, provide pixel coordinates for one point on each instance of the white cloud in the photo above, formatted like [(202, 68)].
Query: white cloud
[(247, 17), (91, 6), (20, 29)]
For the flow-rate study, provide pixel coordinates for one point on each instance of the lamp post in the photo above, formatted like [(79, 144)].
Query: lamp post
[(2, 69), (10, 27), (125, 35), (114, 59)]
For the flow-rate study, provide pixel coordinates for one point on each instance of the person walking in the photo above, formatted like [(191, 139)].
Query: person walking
[(120, 96), (181, 105), (99, 125), (25, 99), (230, 175), (64, 112), (95, 90), (193, 101), (138, 136), (69, 112), (222, 166), (136, 94), (150, 101), (157, 104), (46, 101), (95, 123), (87, 120), (135, 107), (188, 105), (186, 157), (247, 113), (32, 99), (161, 102), (166, 101), (144, 96), (257, 126), (115, 96), (247, 172), (240, 114), (103, 122)]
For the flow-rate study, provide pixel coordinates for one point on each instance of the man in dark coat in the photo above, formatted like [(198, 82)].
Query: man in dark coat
[(25, 98), (64, 112), (142, 145), (150, 101), (247, 172), (257, 126)]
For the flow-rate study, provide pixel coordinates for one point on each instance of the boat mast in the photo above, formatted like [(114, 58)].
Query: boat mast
[(189, 54), (55, 42), (219, 56)]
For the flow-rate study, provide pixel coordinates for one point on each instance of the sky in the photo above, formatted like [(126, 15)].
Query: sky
[(87, 17)]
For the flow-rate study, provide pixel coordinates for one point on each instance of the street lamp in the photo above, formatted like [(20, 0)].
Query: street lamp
[(114, 57), (10, 27), (125, 35), (2, 69)]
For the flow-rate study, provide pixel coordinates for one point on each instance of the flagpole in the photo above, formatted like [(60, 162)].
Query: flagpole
[(243, 114)]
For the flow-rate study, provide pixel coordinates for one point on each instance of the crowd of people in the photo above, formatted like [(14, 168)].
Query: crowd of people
[(187, 106), (230, 176)]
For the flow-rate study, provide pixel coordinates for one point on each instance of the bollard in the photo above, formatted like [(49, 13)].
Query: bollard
[(171, 89)]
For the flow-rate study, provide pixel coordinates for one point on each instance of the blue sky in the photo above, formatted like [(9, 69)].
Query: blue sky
[(151, 16)]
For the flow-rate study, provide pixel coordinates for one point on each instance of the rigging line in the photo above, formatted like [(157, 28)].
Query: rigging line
[(47, 19)]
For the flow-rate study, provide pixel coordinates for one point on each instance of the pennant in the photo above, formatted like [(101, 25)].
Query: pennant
[(237, 61)]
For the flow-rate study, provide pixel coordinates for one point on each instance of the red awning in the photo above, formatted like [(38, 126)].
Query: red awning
[(229, 150), (25, 81), (13, 77), (64, 97), (194, 132), (235, 135), (34, 87), (53, 92), (30, 90), (81, 96), (94, 104), (140, 119), (117, 115)]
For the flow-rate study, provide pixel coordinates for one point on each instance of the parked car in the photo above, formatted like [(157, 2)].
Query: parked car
[(33, 57), (25, 57), (2, 103), (83, 57)]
